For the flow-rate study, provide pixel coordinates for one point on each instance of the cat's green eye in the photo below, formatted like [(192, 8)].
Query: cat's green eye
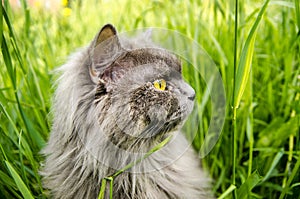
[(160, 84)]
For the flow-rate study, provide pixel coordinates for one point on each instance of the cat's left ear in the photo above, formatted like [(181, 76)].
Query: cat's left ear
[(104, 49)]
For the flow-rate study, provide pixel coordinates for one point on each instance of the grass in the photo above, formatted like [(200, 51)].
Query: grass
[(262, 160)]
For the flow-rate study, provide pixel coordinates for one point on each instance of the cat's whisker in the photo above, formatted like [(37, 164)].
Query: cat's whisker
[(152, 130)]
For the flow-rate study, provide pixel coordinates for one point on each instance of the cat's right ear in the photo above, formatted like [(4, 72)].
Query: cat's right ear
[(104, 49)]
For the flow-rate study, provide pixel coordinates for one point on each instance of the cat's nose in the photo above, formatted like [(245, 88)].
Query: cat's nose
[(192, 97)]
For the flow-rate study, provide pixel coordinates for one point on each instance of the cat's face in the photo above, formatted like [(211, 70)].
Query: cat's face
[(147, 94)]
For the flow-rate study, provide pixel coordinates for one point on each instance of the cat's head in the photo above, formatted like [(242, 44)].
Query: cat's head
[(142, 85)]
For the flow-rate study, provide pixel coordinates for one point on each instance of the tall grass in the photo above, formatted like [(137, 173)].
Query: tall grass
[(266, 147), (240, 79)]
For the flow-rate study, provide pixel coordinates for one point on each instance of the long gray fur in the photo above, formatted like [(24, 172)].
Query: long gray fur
[(107, 114)]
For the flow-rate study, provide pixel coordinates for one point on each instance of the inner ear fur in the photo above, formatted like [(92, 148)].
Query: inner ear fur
[(105, 33)]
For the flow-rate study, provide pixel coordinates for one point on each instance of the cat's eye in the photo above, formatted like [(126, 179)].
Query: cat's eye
[(160, 84)]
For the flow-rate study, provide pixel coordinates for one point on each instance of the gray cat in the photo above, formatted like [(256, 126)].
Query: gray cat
[(115, 101)]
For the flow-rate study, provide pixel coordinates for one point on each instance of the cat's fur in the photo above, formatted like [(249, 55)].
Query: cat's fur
[(107, 113)]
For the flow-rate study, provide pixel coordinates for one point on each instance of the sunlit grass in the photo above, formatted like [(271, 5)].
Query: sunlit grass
[(34, 41)]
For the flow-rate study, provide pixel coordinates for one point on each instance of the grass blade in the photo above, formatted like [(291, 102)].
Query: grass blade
[(244, 66), (273, 165), (20, 184), (7, 61), (248, 185), (1, 24), (291, 178), (12, 74), (102, 189), (297, 7), (227, 192)]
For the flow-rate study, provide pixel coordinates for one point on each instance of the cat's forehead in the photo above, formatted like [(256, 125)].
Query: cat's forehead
[(142, 56)]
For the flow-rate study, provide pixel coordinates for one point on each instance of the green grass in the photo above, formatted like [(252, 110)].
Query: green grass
[(258, 153)]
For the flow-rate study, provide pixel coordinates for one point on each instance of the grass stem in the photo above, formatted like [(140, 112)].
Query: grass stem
[(234, 144)]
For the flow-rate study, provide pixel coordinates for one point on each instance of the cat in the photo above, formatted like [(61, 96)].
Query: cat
[(115, 100)]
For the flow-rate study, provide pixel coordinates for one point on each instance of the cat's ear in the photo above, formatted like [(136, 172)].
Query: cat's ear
[(104, 49)]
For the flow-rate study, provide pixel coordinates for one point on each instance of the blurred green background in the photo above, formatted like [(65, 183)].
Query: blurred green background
[(258, 154)]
